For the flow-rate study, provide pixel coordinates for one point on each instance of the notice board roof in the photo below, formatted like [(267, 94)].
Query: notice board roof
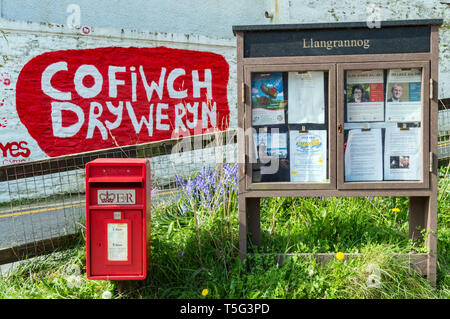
[(334, 25)]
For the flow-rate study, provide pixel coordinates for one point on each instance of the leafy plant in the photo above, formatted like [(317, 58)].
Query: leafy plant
[(195, 250)]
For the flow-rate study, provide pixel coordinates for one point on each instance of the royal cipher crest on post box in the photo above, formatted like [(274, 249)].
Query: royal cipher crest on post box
[(116, 196)]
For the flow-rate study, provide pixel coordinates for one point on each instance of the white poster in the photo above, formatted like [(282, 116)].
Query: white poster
[(308, 156), (403, 95), (306, 101), (363, 156), (365, 96), (117, 241), (402, 156)]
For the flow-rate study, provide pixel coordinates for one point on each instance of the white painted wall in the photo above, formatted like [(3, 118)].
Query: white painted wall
[(215, 18), (212, 18), (311, 11), (21, 41), (32, 27)]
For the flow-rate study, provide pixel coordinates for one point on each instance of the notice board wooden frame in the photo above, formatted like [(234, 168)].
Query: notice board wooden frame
[(414, 43)]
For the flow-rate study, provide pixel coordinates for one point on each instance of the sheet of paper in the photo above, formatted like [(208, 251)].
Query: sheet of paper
[(403, 95), (268, 102), (306, 101), (308, 156), (365, 96), (402, 155), (363, 156), (117, 237)]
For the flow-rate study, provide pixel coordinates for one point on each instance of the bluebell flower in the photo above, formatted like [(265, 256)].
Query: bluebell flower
[(209, 188)]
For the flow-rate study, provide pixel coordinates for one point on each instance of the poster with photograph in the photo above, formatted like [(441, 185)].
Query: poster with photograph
[(308, 156), (365, 96), (402, 156), (403, 95), (272, 144), (363, 156), (271, 150), (306, 97), (268, 102)]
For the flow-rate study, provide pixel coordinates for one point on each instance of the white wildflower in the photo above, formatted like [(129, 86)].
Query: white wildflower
[(107, 295)]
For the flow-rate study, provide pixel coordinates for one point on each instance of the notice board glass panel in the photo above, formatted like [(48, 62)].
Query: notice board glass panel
[(385, 124), (290, 125)]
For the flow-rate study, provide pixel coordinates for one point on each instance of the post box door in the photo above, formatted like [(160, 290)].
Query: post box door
[(116, 245)]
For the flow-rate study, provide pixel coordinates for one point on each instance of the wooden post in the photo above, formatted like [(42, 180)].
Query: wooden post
[(423, 217), (249, 224), (418, 207), (254, 220)]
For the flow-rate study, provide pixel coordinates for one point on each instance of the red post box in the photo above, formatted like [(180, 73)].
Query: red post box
[(118, 194)]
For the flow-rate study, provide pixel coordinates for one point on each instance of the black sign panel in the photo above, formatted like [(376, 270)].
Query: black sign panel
[(342, 41)]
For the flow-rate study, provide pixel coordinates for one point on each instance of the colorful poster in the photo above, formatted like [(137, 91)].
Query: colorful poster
[(402, 155), (306, 100), (365, 96), (268, 102), (403, 95), (308, 156), (363, 159)]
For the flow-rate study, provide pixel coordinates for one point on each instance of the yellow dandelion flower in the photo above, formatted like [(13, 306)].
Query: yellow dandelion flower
[(204, 292), (396, 210), (340, 256)]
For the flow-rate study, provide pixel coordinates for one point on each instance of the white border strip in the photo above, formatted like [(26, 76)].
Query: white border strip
[(122, 34)]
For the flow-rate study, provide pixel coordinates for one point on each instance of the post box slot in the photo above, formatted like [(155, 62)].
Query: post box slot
[(116, 179)]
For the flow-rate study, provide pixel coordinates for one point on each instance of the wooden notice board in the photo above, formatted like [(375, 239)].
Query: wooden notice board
[(339, 109)]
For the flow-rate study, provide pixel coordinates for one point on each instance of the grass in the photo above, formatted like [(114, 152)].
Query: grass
[(195, 244)]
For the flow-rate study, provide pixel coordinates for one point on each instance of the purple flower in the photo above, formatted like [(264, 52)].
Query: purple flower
[(209, 188), (184, 209)]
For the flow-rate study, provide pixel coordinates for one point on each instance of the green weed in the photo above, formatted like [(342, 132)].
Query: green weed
[(195, 246)]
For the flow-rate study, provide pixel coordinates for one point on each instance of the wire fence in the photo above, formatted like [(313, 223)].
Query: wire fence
[(42, 203), (444, 134)]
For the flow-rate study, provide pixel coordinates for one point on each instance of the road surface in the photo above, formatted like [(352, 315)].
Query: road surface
[(31, 223)]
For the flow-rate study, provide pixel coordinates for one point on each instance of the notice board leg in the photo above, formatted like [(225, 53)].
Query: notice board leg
[(254, 221), (423, 216), (249, 224), (417, 216)]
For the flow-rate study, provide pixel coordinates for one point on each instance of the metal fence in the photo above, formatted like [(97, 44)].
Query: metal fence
[(444, 134), (42, 203)]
